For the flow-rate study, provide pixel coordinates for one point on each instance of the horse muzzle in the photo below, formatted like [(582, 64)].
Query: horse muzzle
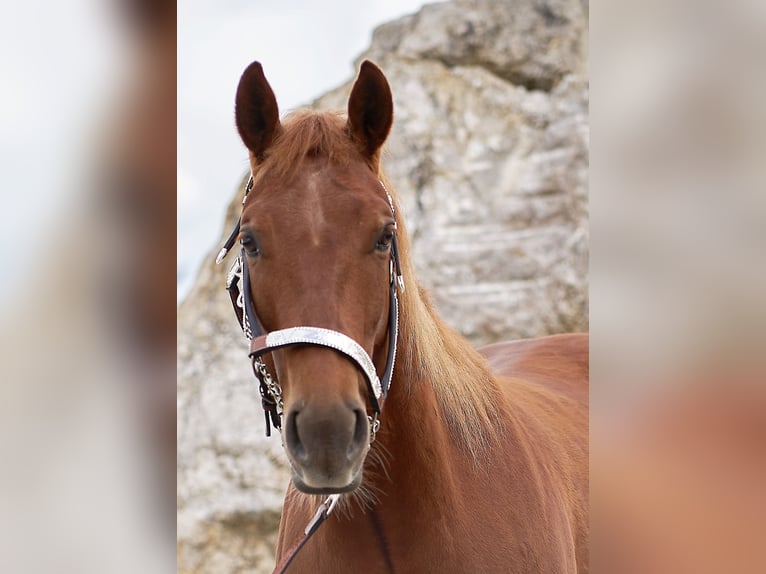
[(326, 446)]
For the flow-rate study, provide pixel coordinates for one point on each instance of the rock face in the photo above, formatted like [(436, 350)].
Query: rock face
[(489, 153)]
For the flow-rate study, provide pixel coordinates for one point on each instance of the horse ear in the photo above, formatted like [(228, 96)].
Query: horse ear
[(256, 111), (370, 109)]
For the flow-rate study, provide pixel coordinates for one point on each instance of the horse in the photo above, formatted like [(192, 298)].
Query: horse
[(454, 460)]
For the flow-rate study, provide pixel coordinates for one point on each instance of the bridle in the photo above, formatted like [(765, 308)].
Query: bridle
[(261, 342)]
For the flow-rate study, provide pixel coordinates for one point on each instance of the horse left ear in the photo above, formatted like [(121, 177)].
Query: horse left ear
[(370, 109)]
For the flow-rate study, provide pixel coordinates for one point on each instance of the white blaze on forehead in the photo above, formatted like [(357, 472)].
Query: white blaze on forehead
[(314, 207)]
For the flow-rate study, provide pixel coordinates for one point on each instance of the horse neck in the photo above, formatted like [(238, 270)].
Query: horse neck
[(441, 416)]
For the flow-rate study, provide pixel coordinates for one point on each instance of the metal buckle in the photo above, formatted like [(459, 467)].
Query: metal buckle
[(374, 426), (324, 510), (235, 272)]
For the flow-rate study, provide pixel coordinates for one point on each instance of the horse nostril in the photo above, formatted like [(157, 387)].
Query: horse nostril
[(292, 437), (361, 430)]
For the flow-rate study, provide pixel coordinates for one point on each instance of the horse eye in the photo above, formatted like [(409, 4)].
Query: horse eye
[(384, 242), (250, 245)]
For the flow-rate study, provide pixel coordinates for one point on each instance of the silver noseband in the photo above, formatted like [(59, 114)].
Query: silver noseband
[(327, 338)]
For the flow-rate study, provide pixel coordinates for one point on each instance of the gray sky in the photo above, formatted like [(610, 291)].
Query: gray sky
[(306, 47)]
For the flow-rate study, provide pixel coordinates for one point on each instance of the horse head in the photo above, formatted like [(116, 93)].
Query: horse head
[(318, 237)]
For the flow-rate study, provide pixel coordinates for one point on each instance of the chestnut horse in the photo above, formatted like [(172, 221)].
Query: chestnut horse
[(480, 463)]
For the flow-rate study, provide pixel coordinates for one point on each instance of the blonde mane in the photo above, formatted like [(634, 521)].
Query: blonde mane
[(432, 352)]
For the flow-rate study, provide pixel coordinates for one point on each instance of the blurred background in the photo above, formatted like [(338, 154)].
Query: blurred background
[(678, 287), (87, 375), (46, 141)]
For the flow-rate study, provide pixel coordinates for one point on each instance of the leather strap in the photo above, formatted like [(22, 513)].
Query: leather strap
[(320, 516), (380, 535)]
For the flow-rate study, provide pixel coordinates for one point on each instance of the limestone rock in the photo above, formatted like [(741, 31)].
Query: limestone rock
[(533, 43)]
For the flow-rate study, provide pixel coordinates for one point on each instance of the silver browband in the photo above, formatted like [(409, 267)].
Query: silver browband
[(332, 339)]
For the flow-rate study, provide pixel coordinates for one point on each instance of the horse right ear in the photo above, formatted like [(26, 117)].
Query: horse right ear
[(370, 109), (256, 111)]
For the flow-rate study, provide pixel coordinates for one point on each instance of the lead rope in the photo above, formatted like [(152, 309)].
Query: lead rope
[(322, 513)]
